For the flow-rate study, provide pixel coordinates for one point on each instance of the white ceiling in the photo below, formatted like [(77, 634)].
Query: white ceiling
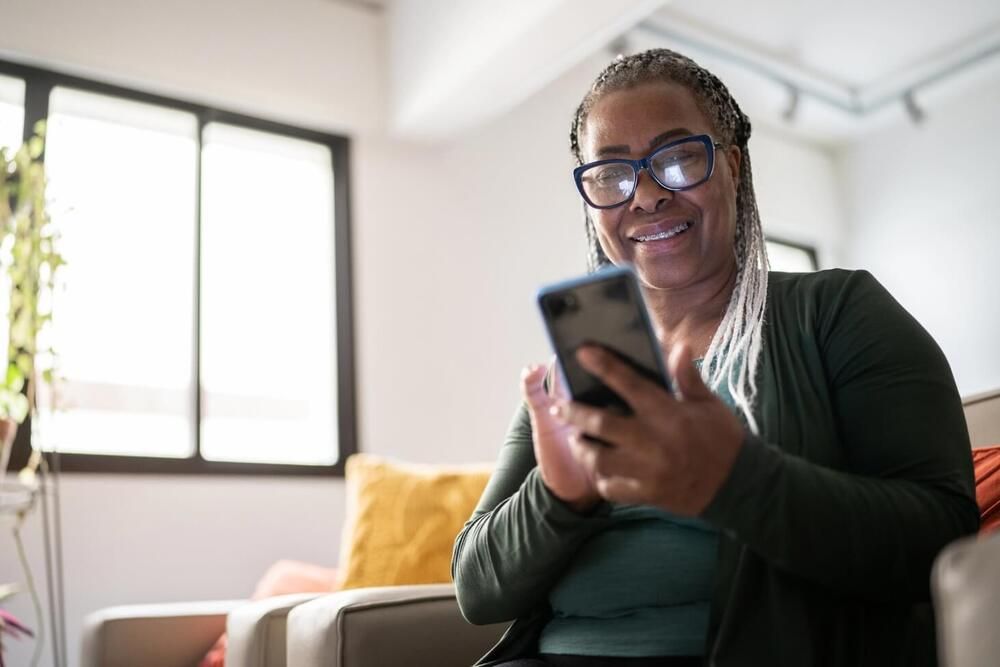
[(860, 50), (454, 64), (852, 42)]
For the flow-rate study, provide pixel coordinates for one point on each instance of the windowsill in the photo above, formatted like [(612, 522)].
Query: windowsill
[(148, 465)]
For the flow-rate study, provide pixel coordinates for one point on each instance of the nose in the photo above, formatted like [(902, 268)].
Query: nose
[(649, 195)]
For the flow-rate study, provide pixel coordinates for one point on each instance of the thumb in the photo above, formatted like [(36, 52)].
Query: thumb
[(687, 378), (533, 389)]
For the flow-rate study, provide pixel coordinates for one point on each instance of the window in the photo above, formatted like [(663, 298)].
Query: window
[(791, 257), (204, 320), (11, 112), (123, 325), (267, 268)]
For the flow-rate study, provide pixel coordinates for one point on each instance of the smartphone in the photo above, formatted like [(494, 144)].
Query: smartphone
[(605, 308)]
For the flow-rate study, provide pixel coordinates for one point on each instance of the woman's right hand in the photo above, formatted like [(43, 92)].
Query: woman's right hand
[(560, 470)]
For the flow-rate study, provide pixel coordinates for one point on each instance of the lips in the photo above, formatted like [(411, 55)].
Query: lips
[(661, 231)]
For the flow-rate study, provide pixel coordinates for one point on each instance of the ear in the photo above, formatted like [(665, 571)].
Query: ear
[(734, 158)]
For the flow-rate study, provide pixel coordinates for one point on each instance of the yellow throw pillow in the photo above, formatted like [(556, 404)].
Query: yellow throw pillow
[(402, 520)]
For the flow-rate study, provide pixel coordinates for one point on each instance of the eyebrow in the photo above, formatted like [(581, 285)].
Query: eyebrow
[(657, 140)]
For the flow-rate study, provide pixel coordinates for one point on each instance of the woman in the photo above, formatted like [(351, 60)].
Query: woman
[(785, 505)]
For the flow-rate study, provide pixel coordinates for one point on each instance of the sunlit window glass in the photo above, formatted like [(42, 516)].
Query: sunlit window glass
[(123, 179), (785, 257), (268, 337)]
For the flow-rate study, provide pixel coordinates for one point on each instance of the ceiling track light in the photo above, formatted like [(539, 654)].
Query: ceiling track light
[(843, 98), (915, 113), (620, 47), (792, 107)]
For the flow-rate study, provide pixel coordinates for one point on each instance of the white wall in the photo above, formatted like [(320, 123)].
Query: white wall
[(133, 539), (924, 219), (311, 61), (450, 243), (798, 193)]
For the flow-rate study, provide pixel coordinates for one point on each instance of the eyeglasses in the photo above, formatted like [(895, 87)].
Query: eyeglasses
[(680, 165)]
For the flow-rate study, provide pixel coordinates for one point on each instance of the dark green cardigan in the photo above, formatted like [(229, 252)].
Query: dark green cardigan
[(829, 521)]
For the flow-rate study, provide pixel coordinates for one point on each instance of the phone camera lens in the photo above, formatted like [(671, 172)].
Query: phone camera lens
[(561, 304)]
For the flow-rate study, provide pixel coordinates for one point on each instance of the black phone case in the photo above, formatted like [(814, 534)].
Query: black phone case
[(604, 308)]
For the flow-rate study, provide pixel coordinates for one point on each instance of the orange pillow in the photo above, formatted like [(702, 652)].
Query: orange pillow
[(986, 463), (282, 578)]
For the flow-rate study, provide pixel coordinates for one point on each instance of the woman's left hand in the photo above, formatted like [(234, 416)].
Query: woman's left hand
[(672, 452)]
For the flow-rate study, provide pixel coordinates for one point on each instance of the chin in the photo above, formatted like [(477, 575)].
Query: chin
[(663, 277), (665, 270)]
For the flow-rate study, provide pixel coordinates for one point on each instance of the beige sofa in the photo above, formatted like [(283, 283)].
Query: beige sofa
[(966, 577), (179, 634), (366, 627), (421, 625)]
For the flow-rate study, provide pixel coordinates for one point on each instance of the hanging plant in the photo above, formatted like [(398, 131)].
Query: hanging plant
[(28, 253)]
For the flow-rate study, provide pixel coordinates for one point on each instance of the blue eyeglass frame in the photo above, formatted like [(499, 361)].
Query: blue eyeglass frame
[(643, 164)]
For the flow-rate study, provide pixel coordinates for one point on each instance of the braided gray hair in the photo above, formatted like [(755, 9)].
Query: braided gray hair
[(734, 352)]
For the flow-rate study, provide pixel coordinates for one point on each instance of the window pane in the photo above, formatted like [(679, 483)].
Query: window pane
[(784, 257), (267, 310), (11, 112), (123, 179)]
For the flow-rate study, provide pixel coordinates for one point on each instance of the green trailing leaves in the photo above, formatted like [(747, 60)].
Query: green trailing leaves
[(29, 255)]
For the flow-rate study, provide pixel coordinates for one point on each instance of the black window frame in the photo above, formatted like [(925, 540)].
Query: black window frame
[(808, 249), (39, 83)]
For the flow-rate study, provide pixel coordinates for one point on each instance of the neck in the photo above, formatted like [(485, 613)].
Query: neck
[(691, 314)]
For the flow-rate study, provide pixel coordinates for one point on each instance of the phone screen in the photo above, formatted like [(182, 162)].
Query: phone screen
[(605, 308)]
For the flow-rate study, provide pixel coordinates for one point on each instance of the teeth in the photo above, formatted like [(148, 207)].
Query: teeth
[(664, 235)]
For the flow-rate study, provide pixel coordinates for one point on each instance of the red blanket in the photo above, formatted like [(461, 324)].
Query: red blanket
[(986, 461)]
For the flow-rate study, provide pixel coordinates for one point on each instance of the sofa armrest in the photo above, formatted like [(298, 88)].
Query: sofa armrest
[(965, 583), (395, 625), (153, 635), (257, 631)]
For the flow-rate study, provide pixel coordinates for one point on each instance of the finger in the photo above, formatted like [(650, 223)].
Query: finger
[(618, 489), (557, 387), (687, 378), (583, 451), (600, 460), (532, 387), (633, 388), (595, 422)]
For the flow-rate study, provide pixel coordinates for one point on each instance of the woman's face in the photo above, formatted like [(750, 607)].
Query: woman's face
[(631, 124)]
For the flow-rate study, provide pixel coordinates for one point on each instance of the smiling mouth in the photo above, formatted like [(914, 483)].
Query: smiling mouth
[(660, 236)]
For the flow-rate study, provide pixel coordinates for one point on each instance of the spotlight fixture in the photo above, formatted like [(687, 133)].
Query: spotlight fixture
[(793, 103), (619, 47), (915, 113)]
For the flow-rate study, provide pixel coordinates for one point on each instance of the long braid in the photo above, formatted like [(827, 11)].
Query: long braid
[(733, 356)]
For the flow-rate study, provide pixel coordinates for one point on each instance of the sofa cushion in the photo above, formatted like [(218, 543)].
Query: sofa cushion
[(402, 520)]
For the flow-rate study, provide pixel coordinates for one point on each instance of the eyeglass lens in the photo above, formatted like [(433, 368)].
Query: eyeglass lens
[(675, 167)]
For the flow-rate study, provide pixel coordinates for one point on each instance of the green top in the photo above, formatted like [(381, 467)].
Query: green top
[(639, 588), (829, 520)]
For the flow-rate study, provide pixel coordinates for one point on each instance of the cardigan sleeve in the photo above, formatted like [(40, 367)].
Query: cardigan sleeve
[(874, 529), (519, 539)]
